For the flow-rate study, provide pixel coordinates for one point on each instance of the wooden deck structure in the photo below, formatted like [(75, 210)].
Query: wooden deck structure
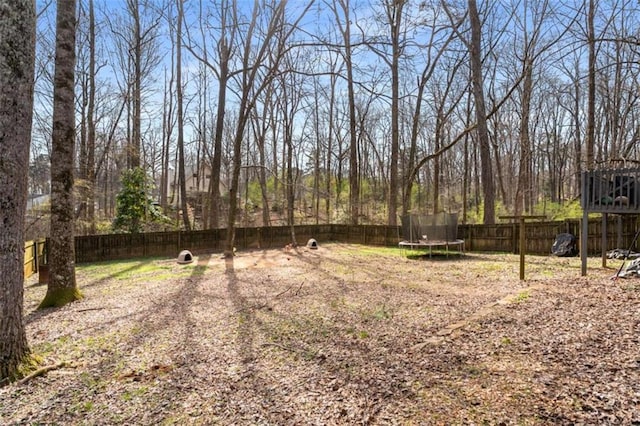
[(607, 191)]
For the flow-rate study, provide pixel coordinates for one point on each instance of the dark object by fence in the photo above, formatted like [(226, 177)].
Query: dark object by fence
[(632, 270), (635, 238), (185, 257), (622, 254), (565, 245)]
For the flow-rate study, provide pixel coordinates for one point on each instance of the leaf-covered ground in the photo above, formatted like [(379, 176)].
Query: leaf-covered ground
[(340, 335)]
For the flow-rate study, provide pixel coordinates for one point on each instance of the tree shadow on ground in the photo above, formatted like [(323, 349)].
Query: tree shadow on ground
[(40, 313)]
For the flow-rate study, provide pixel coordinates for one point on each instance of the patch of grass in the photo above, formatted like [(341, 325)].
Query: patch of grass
[(91, 382), (341, 303), (44, 348), (631, 287), (521, 297), (366, 251), (381, 312), (123, 269), (491, 266), (198, 270), (87, 406), (83, 407), (98, 344), (473, 371), (129, 395), (145, 268), (113, 267)]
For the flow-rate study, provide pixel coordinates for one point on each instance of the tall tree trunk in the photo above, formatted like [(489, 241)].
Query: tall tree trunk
[(134, 153), (524, 172), (214, 184), (394, 15), (330, 131), (316, 155), (413, 146), (486, 173), (591, 91), (17, 59), (260, 126), (167, 130), (577, 139), (81, 211), (62, 287), (288, 142), (436, 161), (344, 26), (181, 171), (354, 183), (91, 124)]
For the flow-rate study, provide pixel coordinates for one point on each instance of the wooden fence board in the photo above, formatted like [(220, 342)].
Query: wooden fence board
[(34, 256)]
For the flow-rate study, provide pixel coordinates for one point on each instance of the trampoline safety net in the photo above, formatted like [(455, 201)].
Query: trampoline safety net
[(438, 227)]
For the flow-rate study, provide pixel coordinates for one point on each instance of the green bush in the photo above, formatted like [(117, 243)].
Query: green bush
[(135, 209)]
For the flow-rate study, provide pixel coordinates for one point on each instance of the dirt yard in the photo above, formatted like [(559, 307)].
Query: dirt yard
[(336, 336)]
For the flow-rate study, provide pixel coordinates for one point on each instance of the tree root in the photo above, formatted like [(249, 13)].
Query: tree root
[(42, 371)]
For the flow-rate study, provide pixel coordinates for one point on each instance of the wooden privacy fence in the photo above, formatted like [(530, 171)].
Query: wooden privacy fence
[(123, 246), (540, 235), (488, 238), (34, 256)]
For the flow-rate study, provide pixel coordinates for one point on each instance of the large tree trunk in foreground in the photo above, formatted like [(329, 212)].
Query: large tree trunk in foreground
[(62, 287), (17, 32)]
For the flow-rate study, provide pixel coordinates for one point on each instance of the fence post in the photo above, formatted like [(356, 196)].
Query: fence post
[(603, 242), (36, 246)]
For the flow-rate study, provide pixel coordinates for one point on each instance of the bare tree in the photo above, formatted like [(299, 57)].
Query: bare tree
[(475, 48), (591, 90), (394, 11), (523, 198), (87, 151), (62, 287), (341, 10), (167, 130), (433, 52), (260, 125), (179, 99), (136, 56), (225, 33), (260, 65), (289, 100), (17, 62), (91, 122)]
